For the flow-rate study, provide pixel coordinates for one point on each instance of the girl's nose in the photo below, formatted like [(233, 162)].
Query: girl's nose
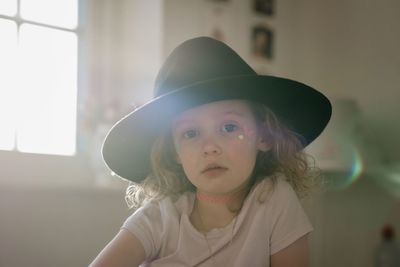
[(210, 147)]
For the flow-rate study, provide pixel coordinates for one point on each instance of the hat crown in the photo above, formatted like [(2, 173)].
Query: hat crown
[(198, 60)]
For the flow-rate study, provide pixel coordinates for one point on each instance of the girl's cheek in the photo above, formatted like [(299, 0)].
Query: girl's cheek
[(182, 147), (250, 132), (238, 140), (248, 135)]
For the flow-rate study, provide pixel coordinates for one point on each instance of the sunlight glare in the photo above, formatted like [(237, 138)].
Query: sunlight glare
[(49, 67), (8, 7), (8, 45), (62, 13)]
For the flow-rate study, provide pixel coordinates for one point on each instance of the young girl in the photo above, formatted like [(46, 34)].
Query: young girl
[(217, 165)]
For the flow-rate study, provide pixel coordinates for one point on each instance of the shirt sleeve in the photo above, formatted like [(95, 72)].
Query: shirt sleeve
[(145, 224), (289, 221)]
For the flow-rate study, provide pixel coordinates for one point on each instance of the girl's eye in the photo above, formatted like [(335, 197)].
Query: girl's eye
[(190, 134), (229, 127)]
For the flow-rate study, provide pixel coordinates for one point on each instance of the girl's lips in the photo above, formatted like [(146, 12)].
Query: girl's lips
[(212, 167), (212, 171)]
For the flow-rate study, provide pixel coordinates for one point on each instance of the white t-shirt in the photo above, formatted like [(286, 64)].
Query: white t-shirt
[(261, 229)]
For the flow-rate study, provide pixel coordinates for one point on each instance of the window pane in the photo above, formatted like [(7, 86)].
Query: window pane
[(63, 13), (8, 46), (8, 7), (49, 91)]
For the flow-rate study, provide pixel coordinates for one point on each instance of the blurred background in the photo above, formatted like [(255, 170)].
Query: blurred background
[(69, 69)]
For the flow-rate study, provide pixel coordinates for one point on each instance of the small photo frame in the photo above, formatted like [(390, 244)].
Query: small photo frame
[(262, 40), (264, 7)]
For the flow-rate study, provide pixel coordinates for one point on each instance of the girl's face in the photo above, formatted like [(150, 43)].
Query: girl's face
[(217, 145)]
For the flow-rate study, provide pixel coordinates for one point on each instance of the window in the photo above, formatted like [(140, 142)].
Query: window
[(38, 75)]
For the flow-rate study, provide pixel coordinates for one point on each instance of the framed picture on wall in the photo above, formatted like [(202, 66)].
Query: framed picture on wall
[(264, 7), (262, 40)]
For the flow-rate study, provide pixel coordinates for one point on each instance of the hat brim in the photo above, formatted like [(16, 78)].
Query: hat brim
[(127, 146)]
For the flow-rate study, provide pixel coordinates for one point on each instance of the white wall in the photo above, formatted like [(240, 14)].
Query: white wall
[(349, 49), (125, 46), (57, 226), (347, 224)]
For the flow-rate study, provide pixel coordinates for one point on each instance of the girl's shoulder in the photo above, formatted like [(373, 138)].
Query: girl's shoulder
[(159, 215), (273, 187), (169, 205)]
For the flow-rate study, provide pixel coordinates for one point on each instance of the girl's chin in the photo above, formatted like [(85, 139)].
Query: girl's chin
[(222, 186)]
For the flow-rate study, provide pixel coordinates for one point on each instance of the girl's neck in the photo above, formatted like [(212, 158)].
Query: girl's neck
[(232, 200), (216, 211)]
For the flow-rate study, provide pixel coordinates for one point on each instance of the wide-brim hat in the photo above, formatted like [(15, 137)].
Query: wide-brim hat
[(197, 72)]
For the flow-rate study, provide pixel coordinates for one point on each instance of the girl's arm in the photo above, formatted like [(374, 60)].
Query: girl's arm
[(124, 250), (295, 255)]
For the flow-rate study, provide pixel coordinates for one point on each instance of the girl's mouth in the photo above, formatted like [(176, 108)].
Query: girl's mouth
[(214, 170)]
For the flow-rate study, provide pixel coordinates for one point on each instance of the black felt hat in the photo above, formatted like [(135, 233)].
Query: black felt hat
[(197, 72)]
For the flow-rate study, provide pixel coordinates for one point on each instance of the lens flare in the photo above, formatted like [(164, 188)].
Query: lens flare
[(342, 179)]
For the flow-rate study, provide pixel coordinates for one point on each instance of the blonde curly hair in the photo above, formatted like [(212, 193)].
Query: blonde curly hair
[(286, 157)]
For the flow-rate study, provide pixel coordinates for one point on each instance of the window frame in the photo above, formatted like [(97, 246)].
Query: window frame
[(82, 72)]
